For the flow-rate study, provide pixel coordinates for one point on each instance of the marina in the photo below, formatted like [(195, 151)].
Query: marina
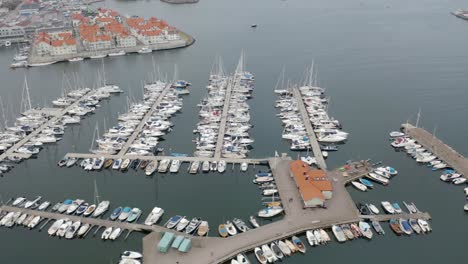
[(190, 182), (76, 104)]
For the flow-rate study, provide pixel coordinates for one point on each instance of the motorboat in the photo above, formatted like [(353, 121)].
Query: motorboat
[(377, 178), (311, 238), (19, 201), (260, 255), (81, 209), (173, 221), (414, 225), (459, 181), (205, 166), (359, 186), (347, 231), (365, 229), (397, 208), (131, 255), (134, 215), (244, 166), (117, 163), (425, 227), (83, 230), (106, 234), (116, 213), (298, 243), (378, 228), (447, 177), (270, 211), (102, 208), (405, 226), (55, 226), (284, 248), (74, 206), (126, 211), (253, 221), (240, 225), (388, 207), (64, 206), (183, 223), (118, 53), (230, 228), (71, 231), (175, 166), (164, 165), (395, 226), (154, 216), (395, 134), (221, 166), (367, 183), (291, 246), (30, 204), (269, 192), (144, 50), (194, 167), (203, 228), (63, 228), (373, 208), (115, 233), (193, 225), (268, 254), (263, 179), (89, 210), (222, 230)]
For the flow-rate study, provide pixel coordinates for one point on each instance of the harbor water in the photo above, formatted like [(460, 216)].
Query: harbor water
[(381, 62)]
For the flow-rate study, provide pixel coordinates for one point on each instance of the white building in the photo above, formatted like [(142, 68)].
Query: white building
[(125, 40)]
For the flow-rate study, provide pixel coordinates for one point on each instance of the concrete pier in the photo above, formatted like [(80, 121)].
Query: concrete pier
[(222, 125), (310, 131), (56, 117), (140, 126), (444, 152)]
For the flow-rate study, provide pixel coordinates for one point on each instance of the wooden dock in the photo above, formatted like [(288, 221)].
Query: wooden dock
[(56, 117), (84, 220), (159, 158), (310, 131), (222, 125), (357, 170), (141, 126), (444, 152), (388, 217)]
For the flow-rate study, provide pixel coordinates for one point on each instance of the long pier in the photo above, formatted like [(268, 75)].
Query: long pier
[(222, 125), (310, 131), (388, 217), (444, 152), (159, 158), (11, 151), (140, 126)]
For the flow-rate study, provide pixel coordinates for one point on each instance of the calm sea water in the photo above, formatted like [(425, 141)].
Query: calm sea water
[(381, 62)]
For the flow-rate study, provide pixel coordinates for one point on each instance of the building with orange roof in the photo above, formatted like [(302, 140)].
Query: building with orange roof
[(313, 185), (42, 43), (63, 46)]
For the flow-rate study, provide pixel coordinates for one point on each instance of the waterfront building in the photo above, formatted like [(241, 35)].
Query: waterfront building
[(313, 185)]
